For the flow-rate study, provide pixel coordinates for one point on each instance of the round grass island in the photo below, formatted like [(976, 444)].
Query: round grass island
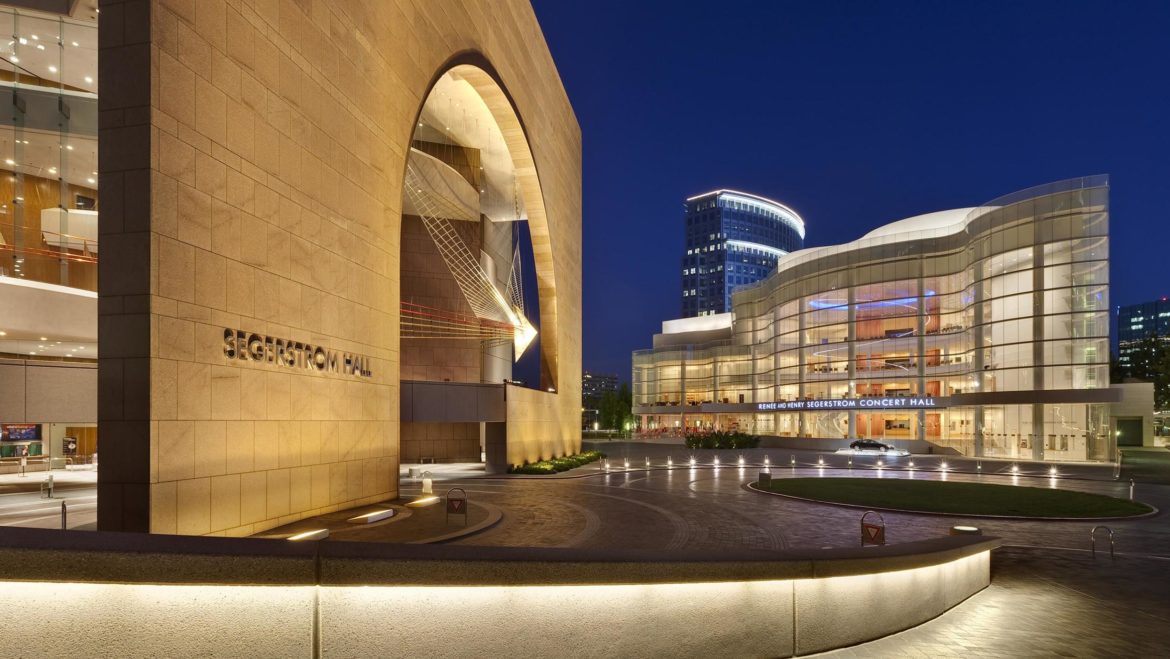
[(956, 498)]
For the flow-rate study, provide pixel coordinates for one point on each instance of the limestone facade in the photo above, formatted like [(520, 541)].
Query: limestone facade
[(251, 164)]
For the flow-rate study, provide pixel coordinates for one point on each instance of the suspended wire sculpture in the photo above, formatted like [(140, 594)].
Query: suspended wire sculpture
[(493, 311)]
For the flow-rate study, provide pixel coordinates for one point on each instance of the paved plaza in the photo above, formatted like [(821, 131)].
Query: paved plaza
[(1049, 596)]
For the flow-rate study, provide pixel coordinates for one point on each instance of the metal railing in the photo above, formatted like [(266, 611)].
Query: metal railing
[(1093, 539)]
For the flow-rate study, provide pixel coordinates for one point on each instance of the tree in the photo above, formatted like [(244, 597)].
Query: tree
[(614, 409)]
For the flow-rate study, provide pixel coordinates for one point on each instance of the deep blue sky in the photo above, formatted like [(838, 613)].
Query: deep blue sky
[(855, 114)]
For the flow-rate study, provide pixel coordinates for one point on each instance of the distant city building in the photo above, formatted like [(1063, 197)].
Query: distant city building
[(732, 239), (593, 387), (1136, 322)]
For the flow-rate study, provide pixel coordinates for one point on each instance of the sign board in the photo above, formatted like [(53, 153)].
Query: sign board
[(457, 503), (69, 446), (873, 534), (890, 403)]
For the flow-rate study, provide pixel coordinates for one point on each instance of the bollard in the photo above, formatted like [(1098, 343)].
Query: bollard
[(1131, 489), (63, 517)]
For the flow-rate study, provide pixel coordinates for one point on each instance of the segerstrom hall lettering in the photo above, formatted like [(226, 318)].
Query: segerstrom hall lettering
[(249, 346)]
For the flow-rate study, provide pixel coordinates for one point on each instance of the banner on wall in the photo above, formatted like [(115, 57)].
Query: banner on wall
[(20, 432)]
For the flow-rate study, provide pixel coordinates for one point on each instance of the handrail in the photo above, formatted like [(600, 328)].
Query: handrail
[(1093, 539), (38, 229), (52, 253)]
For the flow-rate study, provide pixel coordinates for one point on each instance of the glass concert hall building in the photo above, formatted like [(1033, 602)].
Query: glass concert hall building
[(984, 330)]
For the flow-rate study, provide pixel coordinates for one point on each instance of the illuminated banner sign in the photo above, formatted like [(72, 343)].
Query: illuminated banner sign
[(908, 403), (249, 346)]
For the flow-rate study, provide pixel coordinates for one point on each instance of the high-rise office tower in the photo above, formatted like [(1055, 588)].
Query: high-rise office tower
[(732, 239)]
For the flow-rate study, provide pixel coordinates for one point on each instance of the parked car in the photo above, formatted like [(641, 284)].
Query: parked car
[(870, 445)]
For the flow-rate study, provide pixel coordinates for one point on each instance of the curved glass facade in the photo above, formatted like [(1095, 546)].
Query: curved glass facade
[(732, 239), (989, 336)]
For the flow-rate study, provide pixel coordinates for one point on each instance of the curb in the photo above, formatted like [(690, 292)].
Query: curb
[(493, 518), (1153, 512)]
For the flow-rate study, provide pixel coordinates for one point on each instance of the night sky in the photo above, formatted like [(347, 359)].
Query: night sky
[(855, 114)]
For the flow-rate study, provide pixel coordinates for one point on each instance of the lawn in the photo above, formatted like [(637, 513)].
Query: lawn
[(957, 497)]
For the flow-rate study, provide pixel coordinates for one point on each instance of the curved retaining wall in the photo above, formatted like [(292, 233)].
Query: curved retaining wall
[(139, 595)]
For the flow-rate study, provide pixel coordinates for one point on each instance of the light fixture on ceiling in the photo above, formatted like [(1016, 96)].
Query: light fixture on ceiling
[(89, 80), (14, 59), (52, 69), (2, 333), (90, 180), (44, 338), (40, 46), (9, 161), (75, 44), (69, 147)]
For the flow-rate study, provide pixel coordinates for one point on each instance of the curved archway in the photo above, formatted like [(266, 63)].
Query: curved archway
[(467, 78)]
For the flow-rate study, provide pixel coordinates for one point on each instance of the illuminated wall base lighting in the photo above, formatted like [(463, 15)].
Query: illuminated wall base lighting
[(371, 517), (316, 534), (352, 618), (423, 502)]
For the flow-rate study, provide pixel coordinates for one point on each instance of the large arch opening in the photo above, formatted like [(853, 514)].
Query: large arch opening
[(477, 296)]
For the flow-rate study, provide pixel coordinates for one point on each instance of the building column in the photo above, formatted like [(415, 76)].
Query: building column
[(851, 366), (800, 393), (977, 366), (920, 360), (1038, 431), (1038, 336)]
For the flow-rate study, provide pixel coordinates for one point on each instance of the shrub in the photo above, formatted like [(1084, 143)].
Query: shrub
[(723, 440), (556, 465)]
